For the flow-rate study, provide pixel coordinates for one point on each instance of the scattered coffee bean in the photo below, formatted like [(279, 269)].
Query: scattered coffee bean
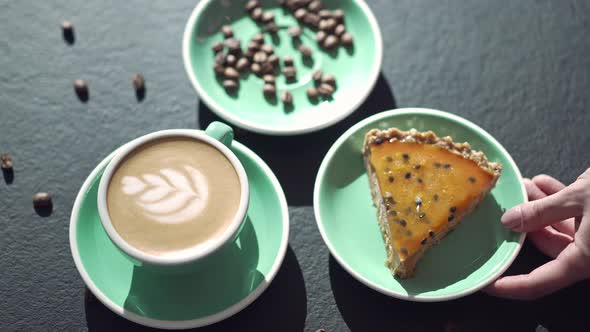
[(227, 31), (328, 24), (295, 31), (81, 88), (317, 75), (329, 79), (326, 90), (260, 57), (268, 49), (312, 19), (230, 60), (338, 15), (6, 161), (268, 17), (217, 47), (256, 68), (339, 30), (273, 60), (287, 98), (288, 61), (251, 5), (267, 68), (139, 85), (219, 69), (330, 42), (305, 51), (312, 93), (325, 14), (68, 31), (269, 79), (249, 54), (42, 203), (300, 14), (347, 39), (258, 38), (271, 27), (220, 58), (256, 14), (315, 6), (289, 73), (320, 36), (233, 45), (253, 46), (231, 73), (269, 90), (242, 64), (230, 85)]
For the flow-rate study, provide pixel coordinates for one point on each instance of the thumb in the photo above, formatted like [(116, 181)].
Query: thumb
[(542, 212)]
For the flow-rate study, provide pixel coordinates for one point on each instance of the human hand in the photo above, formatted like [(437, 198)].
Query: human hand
[(557, 218)]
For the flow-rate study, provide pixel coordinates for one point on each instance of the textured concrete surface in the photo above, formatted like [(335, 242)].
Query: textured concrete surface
[(520, 69)]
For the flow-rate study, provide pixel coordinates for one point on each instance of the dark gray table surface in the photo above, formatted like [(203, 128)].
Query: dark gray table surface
[(520, 69)]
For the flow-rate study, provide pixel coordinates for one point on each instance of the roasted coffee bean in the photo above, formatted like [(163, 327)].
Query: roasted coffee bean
[(268, 49), (295, 31), (253, 46), (300, 14), (230, 85), (42, 203), (330, 42), (273, 60), (260, 57), (269, 79), (6, 161), (219, 69), (315, 6), (250, 5), (217, 47), (339, 30), (287, 98), (230, 60), (316, 75), (329, 79), (258, 38), (242, 64), (305, 51), (227, 31), (271, 27), (220, 58), (269, 90), (68, 32), (249, 54), (231, 73), (256, 14), (326, 90), (312, 19), (267, 68), (233, 45), (81, 88), (338, 15), (328, 24), (325, 14), (320, 36), (139, 84), (256, 68), (347, 39), (268, 17), (289, 72), (312, 93), (288, 61)]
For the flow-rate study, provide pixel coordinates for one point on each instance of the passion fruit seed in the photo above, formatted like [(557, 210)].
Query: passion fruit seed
[(422, 215), (435, 197), (403, 222), (406, 156), (437, 165), (423, 242), (453, 209), (418, 201), (378, 140), (408, 175), (389, 158), (451, 217), (391, 178), (447, 166), (431, 233), (471, 179)]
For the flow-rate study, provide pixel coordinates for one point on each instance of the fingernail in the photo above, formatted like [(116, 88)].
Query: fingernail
[(511, 219)]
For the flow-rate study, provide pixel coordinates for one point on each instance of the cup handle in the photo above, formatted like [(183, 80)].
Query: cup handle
[(221, 132)]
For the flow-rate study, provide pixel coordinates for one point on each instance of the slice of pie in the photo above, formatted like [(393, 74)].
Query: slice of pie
[(423, 186)]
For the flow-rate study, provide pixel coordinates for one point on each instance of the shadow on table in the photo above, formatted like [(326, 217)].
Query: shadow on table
[(283, 306), (296, 159), (364, 309)]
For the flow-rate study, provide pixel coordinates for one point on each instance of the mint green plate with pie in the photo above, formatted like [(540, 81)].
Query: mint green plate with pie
[(477, 252), (226, 283), (356, 69)]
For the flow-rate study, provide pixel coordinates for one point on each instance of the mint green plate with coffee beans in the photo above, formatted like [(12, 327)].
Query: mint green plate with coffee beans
[(473, 255), (224, 284), (353, 58)]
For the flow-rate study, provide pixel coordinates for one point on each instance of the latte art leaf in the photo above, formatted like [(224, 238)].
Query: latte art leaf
[(171, 196)]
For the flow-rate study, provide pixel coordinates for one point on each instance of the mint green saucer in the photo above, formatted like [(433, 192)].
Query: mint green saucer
[(231, 280), (356, 70), (469, 258)]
